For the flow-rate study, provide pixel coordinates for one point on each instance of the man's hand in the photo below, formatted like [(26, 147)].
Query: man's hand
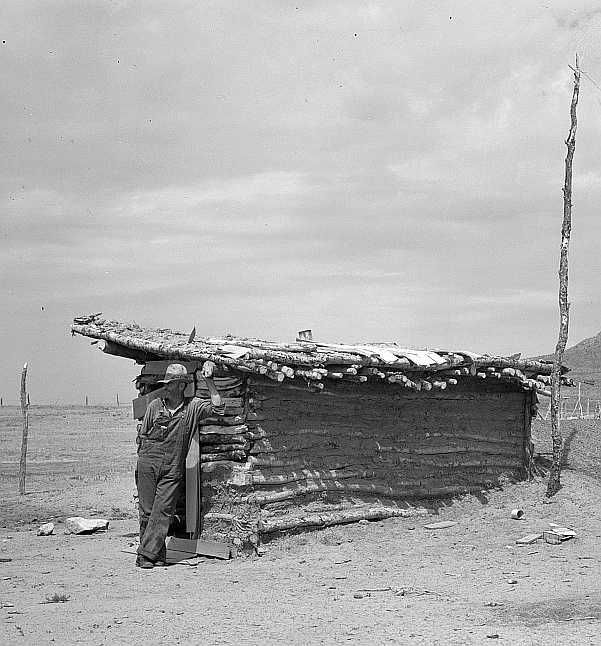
[(207, 373), (207, 369)]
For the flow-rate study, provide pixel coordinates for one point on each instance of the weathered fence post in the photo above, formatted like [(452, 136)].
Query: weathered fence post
[(554, 483), (24, 406)]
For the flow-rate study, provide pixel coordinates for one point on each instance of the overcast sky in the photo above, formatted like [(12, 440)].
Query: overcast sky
[(373, 171)]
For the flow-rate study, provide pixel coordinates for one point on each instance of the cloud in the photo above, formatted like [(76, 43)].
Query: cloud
[(366, 169), (243, 190), (588, 180)]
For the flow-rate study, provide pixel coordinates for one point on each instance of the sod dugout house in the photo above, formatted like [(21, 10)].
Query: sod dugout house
[(318, 434)]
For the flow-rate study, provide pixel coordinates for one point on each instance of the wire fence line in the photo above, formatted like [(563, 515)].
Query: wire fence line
[(575, 407)]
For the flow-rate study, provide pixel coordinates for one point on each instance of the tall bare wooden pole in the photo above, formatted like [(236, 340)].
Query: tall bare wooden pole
[(554, 483), (24, 407)]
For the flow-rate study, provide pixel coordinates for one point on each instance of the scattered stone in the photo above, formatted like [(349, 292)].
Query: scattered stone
[(46, 529), (493, 636), (261, 550), (528, 539), (512, 581), (552, 538), (363, 521), (357, 595), (443, 524), (79, 525)]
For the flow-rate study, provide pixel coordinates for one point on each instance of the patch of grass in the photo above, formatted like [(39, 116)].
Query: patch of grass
[(120, 514), (329, 537), (57, 597)]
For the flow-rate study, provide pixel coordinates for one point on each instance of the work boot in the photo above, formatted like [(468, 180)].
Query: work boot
[(162, 558), (144, 563)]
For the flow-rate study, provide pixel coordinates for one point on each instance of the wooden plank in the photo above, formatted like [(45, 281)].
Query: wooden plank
[(215, 549), (233, 402), (215, 441), (193, 485), (175, 556), (233, 391), (226, 420), (213, 429), (227, 447), (201, 546), (236, 456), (329, 518), (390, 455), (221, 382), (122, 351), (186, 545)]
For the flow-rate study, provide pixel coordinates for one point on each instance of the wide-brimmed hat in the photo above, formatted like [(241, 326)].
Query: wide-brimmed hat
[(174, 372)]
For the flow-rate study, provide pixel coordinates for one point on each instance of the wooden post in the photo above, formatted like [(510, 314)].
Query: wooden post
[(117, 399), (554, 484), (304, 335), (23, 462), (86, 400)]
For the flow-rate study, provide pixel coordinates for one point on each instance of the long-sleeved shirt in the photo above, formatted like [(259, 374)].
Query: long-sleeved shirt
[(170, 431)]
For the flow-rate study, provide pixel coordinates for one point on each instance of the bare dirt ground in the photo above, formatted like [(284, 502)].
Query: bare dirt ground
[(375, 583)]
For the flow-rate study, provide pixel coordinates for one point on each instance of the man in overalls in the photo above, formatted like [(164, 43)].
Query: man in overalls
[(163, 444)]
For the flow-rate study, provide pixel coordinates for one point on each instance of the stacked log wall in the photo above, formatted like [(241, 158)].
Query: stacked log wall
[(352, 447), (377, 444)]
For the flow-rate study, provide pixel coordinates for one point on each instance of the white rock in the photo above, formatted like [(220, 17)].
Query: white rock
[(79, 525), (46, 529)]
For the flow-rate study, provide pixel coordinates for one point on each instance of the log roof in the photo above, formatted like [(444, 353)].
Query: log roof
[(316, 362)]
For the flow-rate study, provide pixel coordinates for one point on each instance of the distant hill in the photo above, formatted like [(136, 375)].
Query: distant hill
[(584, 360)]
